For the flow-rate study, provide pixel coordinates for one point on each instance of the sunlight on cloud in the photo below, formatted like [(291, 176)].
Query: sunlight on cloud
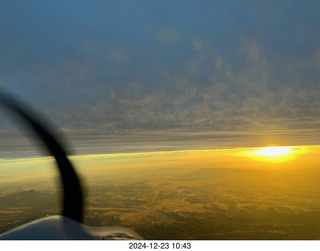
[(276, 153), (251, 158), (95, 165)]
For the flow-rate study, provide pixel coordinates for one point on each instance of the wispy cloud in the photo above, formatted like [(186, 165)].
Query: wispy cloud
[(249, 67)]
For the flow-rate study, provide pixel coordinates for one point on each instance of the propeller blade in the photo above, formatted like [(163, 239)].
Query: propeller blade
[(72, 192)]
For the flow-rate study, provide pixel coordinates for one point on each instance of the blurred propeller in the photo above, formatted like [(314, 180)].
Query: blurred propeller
[(72, 192)]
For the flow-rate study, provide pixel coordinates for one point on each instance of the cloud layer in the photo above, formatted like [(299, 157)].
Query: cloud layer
[(182, 67)]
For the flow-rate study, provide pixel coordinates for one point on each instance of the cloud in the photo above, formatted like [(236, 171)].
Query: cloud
[(117, 55), (234, 68), (167, 34)]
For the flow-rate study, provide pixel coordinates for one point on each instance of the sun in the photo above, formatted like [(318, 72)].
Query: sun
[(274, 151), (271, 153)]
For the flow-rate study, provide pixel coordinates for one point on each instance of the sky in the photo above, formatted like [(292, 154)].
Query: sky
[(132, 76)]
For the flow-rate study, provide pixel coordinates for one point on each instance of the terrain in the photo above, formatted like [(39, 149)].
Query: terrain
[(186, 203)]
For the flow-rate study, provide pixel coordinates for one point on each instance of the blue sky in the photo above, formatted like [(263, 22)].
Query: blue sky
[(167, 68)]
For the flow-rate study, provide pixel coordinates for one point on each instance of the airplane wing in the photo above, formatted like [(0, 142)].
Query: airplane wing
[(68, 226), (63, 228)]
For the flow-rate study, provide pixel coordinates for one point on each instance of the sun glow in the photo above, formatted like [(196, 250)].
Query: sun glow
[(274, 151)]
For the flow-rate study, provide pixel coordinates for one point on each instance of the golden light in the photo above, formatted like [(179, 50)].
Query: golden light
[(274, 151)]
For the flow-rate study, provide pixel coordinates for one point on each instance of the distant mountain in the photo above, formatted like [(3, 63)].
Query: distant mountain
[(28, 198)]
